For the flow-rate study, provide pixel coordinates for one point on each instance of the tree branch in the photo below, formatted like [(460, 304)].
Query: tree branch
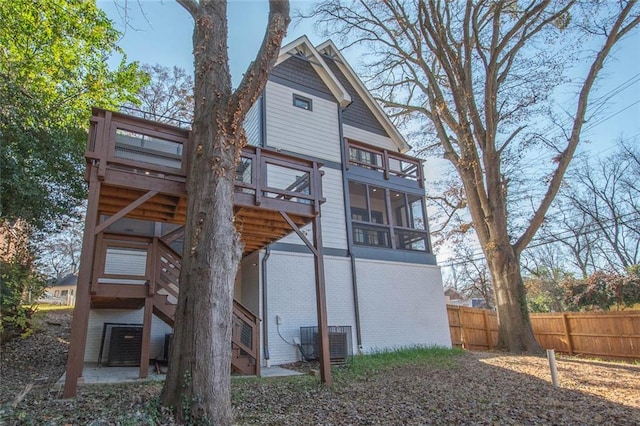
[(583, 99), (191, 6), (255, 78)]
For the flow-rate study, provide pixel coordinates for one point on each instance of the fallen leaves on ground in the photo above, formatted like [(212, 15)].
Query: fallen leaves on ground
[(473, 388)]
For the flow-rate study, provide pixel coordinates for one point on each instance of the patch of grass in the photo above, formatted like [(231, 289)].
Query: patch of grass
[(361, 365), (49, 308)]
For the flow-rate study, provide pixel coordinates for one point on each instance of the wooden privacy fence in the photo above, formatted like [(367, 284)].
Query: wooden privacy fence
[(606, 334)]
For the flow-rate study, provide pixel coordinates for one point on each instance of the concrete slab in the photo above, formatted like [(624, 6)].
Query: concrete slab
[(92, 374), (276, 371)]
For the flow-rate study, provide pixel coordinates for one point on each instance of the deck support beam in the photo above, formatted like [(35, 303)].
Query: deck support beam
[(122, 213), (302, 236), (321, 296), (146, 337), (321, 301), (79, 324)]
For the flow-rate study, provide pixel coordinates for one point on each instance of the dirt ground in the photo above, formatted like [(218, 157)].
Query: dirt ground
[(473, 388)]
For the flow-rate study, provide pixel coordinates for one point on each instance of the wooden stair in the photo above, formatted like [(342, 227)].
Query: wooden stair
[(165, 289)]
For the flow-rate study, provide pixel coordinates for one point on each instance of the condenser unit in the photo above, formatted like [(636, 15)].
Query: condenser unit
[(125, 347), (340, 347)]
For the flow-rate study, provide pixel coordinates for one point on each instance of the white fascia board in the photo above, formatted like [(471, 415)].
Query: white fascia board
[(318, 64), (355, 81)]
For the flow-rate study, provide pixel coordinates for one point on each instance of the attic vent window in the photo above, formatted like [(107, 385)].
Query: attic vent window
[(302, 102)]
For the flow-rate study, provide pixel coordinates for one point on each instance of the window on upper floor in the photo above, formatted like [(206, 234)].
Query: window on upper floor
[(383, 217), (302, 102), (385, 161), (364, 158)]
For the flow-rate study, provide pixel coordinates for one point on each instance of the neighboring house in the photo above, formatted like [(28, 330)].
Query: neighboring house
[(322, 158), (453, 297), (62, 291)]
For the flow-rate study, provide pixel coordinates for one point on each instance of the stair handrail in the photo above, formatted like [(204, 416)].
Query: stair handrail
[(240, 312), (164, 250)]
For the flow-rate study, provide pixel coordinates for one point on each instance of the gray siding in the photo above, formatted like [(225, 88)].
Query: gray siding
[(298, 73), (357, 114)]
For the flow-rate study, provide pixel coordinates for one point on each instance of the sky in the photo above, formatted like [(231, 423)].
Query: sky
[(160, 31)]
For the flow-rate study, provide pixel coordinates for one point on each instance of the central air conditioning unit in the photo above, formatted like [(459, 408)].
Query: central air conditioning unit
[(125, 347), (340, 347)]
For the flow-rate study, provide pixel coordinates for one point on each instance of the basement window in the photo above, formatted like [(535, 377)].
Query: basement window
[(302, 102)]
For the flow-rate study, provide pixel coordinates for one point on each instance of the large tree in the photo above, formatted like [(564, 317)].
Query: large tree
[(168, 97), (480, 72), (53, 69), (198, 381)]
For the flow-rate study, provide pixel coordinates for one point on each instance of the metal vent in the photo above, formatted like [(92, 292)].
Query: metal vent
[(340, 347), (125, 346)]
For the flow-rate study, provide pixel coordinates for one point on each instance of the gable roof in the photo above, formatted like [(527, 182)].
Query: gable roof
[(303, 47), (329, 48), (68, 280)]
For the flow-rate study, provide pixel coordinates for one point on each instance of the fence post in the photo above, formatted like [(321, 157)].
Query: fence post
[(486, 328), (567, 332), (461, 327)]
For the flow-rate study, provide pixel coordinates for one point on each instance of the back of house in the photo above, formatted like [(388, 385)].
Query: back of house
[(318, 146)]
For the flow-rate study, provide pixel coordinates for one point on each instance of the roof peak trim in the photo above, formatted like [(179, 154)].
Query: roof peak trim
[(329, 49), (302, 46)]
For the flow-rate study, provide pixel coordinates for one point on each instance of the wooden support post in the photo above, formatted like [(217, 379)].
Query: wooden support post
[(567, 333), (259, 175), (103, 142), (385, 161), (99, 261), (75, 360), (321, 301), (551, 355), (487, 329), (153, 266), (146, 337)]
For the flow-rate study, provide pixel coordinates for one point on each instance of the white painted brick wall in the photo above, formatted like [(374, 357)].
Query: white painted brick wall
[(291, 294), (97, 317), (401, 304)]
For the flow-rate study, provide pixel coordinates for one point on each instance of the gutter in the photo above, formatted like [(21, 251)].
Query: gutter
[(265, 311), (345, 191)]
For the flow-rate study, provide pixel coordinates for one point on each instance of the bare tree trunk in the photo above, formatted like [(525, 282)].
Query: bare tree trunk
[(479, 72), (198, 385), (515, 333)]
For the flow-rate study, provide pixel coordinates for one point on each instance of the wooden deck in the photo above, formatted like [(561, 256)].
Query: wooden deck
[(137, 172), (142, 168)]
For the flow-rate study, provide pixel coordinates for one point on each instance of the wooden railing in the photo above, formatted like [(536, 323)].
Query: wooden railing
[(145, 149), (167, 268), (387, 162), (602, 334), (275, 178), (157, 273), (244, 338)]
